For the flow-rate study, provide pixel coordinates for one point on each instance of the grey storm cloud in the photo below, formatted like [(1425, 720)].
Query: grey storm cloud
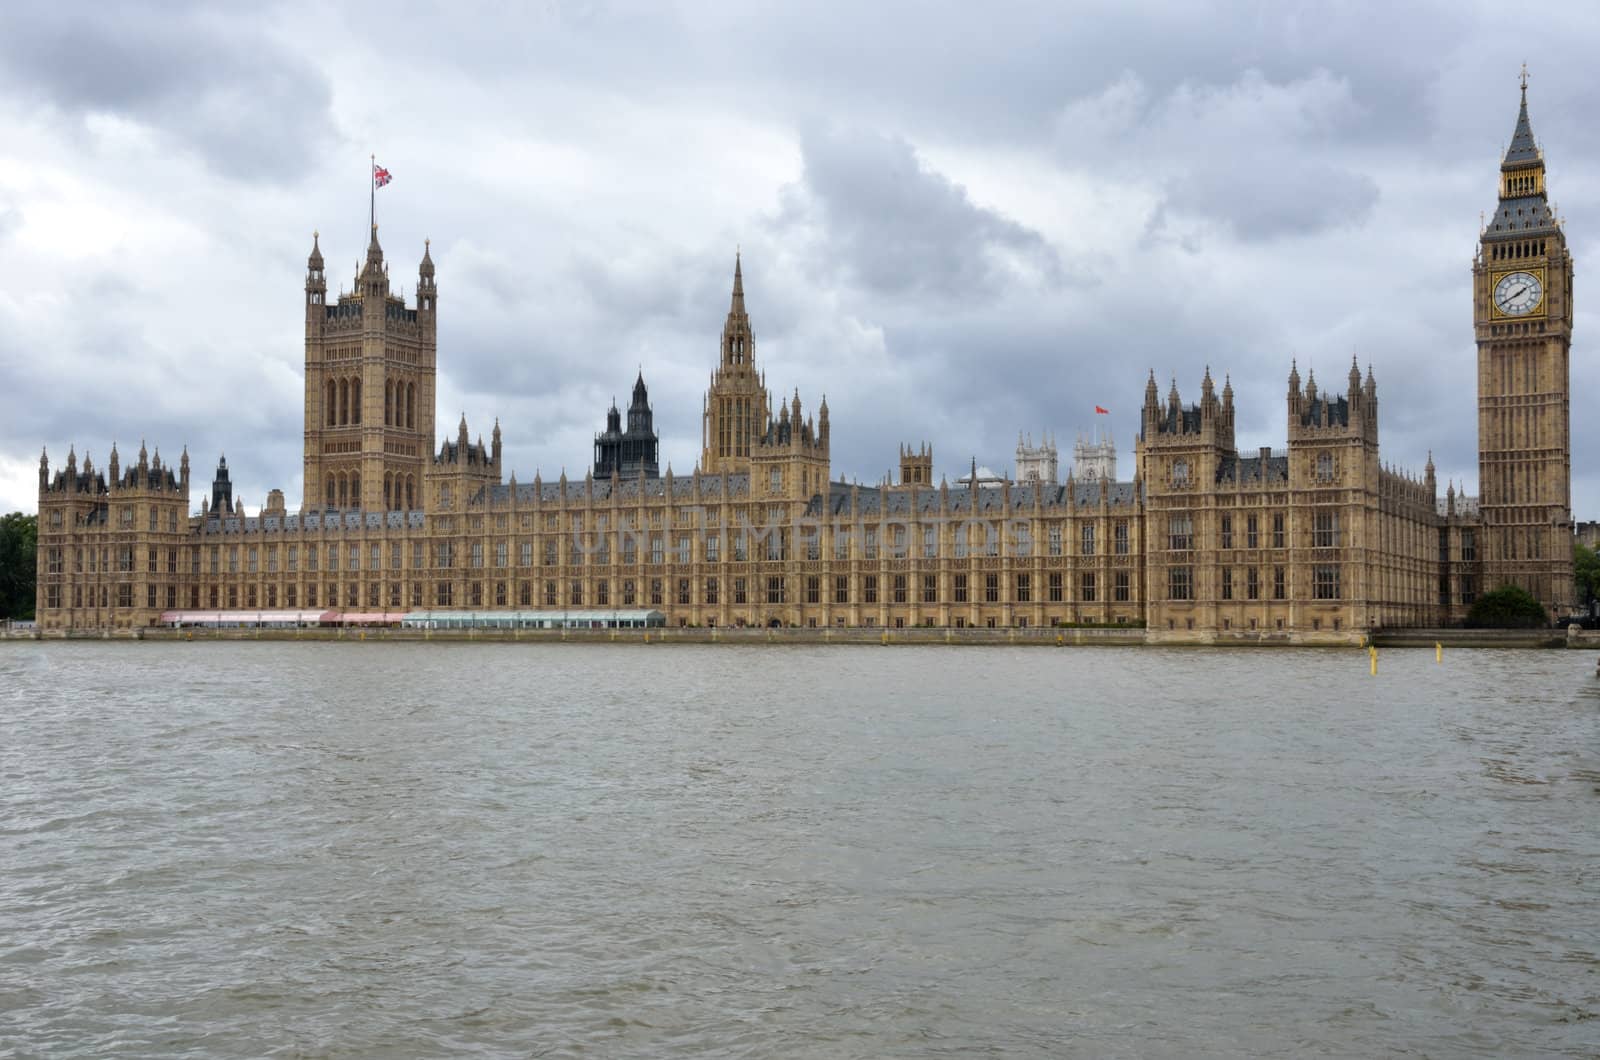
[(883, 218), (1265, 158), (219, 84), (958, 223)]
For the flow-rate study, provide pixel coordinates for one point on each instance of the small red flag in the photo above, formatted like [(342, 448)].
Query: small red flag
[(380, 176), (1101, 411)]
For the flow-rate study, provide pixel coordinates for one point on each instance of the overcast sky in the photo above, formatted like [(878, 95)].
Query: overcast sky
[(958, 220)]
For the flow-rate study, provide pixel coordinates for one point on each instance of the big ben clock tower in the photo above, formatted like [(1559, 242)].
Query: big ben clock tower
[(1522, 307)]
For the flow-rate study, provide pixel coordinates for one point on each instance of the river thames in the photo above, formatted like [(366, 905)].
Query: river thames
[(276, 849)]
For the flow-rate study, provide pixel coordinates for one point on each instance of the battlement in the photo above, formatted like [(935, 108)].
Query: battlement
[(147, 475), (787, 431), (1208, 422), (1314, 413)]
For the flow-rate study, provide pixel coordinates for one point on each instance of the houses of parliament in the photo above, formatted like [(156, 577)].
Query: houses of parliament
[(1318, 542)]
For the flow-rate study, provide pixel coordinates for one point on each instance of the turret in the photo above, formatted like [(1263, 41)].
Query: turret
[(916, 465), (639, 412), (374, 279), (221, 488), (737, 411), (183, 470), (738, 346), (44, 470), (316, 278), (494, 453)]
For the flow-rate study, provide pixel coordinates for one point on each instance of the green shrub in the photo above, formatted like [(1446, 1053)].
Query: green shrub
[(1507, 607)]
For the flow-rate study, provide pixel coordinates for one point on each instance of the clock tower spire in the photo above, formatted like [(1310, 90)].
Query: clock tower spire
[(1522, 308)]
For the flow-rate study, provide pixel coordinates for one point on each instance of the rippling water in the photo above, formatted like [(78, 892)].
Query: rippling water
[(382, 849)]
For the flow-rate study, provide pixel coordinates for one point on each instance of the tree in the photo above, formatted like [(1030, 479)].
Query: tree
[(19, 563), (1586, 572), (1507, 607)]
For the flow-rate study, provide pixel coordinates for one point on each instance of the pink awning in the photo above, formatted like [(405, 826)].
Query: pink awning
[(366, 618)]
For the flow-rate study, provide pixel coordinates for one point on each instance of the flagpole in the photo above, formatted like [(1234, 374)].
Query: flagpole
[(372, 192)]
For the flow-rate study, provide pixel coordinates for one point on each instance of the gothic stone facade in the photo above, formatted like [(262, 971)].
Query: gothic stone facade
[(1318, 542)]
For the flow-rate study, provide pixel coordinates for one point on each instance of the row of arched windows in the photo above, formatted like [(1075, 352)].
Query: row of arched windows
[(344, 402), (399, 492), (1533, 248), (399, 404), (344, 491)]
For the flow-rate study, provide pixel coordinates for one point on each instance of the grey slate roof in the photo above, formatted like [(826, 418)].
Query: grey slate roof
[(712, 487), (1522, 148), (1528, 214), (292, 523), (1252, 470), (1179, 420), (891, 501), (1339, 408)]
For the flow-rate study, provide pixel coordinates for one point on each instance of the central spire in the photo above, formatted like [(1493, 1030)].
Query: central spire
[(738, 345), (1524, 206), (1523, 150)]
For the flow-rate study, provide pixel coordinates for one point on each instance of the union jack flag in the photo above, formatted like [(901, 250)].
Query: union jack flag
[(380, 176)]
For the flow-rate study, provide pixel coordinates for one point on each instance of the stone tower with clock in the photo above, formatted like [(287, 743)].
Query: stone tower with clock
[(1522, 308)]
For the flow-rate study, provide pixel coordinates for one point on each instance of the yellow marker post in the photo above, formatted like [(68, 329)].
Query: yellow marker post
[(1373, 653), (1438, 652)]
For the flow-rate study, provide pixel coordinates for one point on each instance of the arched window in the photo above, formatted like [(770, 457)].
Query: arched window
[(355, 401), (411, 492), (332, 494), (333, 403), (388, 492), (355, 489), (388, 402), (344, 491), (344, 401), (411, 405)]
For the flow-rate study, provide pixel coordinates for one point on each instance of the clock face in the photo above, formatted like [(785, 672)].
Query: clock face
[(1517, 293)]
